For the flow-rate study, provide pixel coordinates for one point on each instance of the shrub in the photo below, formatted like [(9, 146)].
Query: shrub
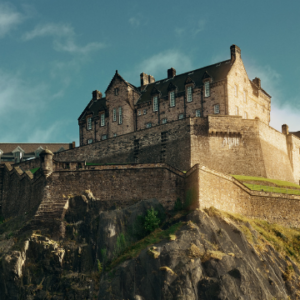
[(151, 220), (121, 244), (99, 266), (178, 205)]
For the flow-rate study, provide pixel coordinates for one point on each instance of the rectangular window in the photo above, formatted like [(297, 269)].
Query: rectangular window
[(164, 121), (102, 120), (155, 103), (216, 109), (180, 116), (145, 111), (206, 89), (90, 141), (172, 99), (116, 92), (235, 90), (114, 115), (139, 113), (89, 123), (198, 113), (245, 97), (189, 94), (104, 137), (236, 111), (148, 125), (120, 115), (115, 134), (245, 115)]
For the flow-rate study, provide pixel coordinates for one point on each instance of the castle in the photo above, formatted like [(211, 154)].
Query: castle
[(162, 139)]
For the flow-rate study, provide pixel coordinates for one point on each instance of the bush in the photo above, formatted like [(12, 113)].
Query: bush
[(151, 220), (178, 205), (121, 244), (99, 266), (103, 255)]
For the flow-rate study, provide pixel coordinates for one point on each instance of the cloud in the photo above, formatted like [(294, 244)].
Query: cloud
[(193, 28), (200, 26), (134, 21), (9, 18), (63, 38)]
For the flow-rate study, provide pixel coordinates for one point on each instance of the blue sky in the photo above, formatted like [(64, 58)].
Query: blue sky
[(53, 54)]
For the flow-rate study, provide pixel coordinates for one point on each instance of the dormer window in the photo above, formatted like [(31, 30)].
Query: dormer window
[(172, 99), (102, 120), (120, 115), (155, 103), (116, 91), (206, 89), (89, 123), (114, 115), (189, 94)]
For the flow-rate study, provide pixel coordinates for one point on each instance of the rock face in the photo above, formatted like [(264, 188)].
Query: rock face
[(208, 257)]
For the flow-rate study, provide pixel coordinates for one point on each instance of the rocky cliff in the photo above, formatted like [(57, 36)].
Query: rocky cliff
[(101, 251)]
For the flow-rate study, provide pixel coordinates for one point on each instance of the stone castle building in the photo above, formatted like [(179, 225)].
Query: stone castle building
[(188, 132), (219, 89)]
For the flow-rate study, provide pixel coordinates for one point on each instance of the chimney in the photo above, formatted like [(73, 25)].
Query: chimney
[(285, 129), (235, 52), (144, 79), (257, 82), (151, 79), (171, 73), (73, 145), (96, 95)]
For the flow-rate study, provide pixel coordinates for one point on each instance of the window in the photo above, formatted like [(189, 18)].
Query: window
[(104, 137), (90, 141), (235, 90), (139, 113), (245, 115), (102, 120), (216, 109), (189, 94), (155, 103), (148, 125), (120, 115), (145, 111), (180, 116), (198, 113), (236, 111), (116, 92), (164, 121), (245, 97), (89, 123), (172, 99), (114, 115), (206, 89), (115, 134)]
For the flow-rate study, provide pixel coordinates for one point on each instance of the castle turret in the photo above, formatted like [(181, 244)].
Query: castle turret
[(285, 129), (46, 162)]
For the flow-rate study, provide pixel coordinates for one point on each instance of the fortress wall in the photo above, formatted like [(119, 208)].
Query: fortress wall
[(127, 183), (144, 146), (226, 193), (294, 144), (228, 144), (275, 153), (22, 192), (29, 164)]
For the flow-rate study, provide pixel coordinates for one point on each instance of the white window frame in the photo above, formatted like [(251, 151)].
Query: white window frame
[(216, 109), (198, 113), (206, 89), (164, 121), (180, 116), (102, 120), (89, 123), (237, 111), (155, 103), (172, 99), (189, 94), (90, 141), (145, 111), (139, 113), (114, 115), (120, 115)]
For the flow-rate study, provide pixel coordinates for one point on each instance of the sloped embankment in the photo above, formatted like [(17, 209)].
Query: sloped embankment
[(196, 255)]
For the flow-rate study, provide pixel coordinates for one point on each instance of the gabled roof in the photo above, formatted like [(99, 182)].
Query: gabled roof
[(117, 75), (217, 72), (93, 108)]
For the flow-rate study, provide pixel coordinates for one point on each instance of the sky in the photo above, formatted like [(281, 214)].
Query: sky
[(53, 54)]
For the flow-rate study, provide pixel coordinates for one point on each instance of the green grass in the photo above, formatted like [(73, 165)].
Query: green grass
[(279, 183), (153, 238), (272, 189), (34, 170)]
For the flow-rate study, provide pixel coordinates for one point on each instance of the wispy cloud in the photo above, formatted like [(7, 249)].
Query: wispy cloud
[(193, 28), (200, 26), (64, 38), (9, 18)]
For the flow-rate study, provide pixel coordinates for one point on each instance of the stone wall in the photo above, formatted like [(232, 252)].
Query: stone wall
[(228, 194)]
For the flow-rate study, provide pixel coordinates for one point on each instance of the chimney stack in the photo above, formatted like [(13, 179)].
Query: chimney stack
[(257, 81), (96, 95), (235, 52), (171, 73), (285, 129), (146, 79)]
